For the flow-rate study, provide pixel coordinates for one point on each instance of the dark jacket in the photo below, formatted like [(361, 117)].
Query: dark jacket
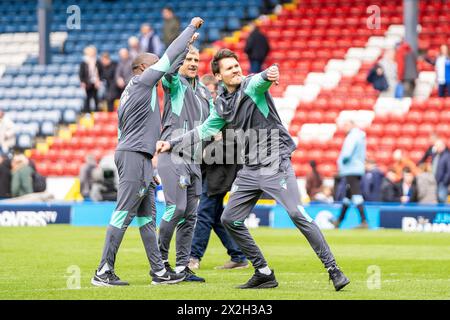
[(257, 47), (379, 82), (84, 73), (220, 177), (5, 178), (108, 74), (371, 185), (390, 191), (442, 173)]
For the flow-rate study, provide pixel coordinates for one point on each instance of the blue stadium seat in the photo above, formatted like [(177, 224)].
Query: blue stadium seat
[(26, 93), (40, 93), (52, 69), (20, 81), (61, 81), (6, 81), (48, 128), (34, 80), (54, 92), (252, 12), (47, 80), (233, 24), (69, 116), (11, 93), (39, 69), (24, 141), (213, 34)]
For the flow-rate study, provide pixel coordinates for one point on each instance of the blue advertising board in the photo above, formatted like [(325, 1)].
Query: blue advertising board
[(395, 216), (323, 214), (39, 214)]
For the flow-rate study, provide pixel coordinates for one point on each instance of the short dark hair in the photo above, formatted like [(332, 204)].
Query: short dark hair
[(221, 54), (168, 8)]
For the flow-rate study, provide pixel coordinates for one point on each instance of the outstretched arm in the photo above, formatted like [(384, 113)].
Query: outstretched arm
[(153, 74), (261, 82), (212, 125)]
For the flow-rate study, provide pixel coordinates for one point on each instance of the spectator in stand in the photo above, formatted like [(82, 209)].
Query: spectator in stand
[(401, 162), (442, 67), (5, 177), (108, 76), (123, 72), (371, 182), (7, 134), (406, 67), (391, 191), (85, 175), (22, 176), (441, 169), (426, 185), (408, 187), (149, 41), (351, 167), (171, 26), (377, 78), (313, 181), (389, 66), (257, 48), (430, 151), (133, 47), (90, 77)]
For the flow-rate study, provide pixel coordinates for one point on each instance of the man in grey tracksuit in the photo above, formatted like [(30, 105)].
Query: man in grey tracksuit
[(186, 104), (139, 128), (245, 104)]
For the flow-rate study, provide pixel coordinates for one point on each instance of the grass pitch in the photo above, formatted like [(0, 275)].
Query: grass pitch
[(36, 263)]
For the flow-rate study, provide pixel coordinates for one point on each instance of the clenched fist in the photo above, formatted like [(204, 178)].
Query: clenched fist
[(273, 74), (162, 146), (197, 22)]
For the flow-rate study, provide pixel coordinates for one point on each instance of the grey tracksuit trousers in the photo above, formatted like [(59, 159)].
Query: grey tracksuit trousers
[(282, 186), (181, 190), (135, 198)]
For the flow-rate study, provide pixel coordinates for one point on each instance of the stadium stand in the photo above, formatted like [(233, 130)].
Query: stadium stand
[(39, 98), (325, 51), (323, 48)]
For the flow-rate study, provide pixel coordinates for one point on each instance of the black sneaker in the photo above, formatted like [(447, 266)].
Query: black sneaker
[(108, 279), (167, 278), (168, 267), (338, 278), (191, 276), (260, 281)]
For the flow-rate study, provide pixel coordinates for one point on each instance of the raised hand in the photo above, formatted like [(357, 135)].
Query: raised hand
[(197, 22), (274, 74)]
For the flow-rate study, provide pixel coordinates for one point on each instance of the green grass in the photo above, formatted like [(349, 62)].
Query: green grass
[(34, 262)]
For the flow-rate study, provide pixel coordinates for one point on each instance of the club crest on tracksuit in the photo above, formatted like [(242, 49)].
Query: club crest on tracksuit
[(142, 192), (283, 184)]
